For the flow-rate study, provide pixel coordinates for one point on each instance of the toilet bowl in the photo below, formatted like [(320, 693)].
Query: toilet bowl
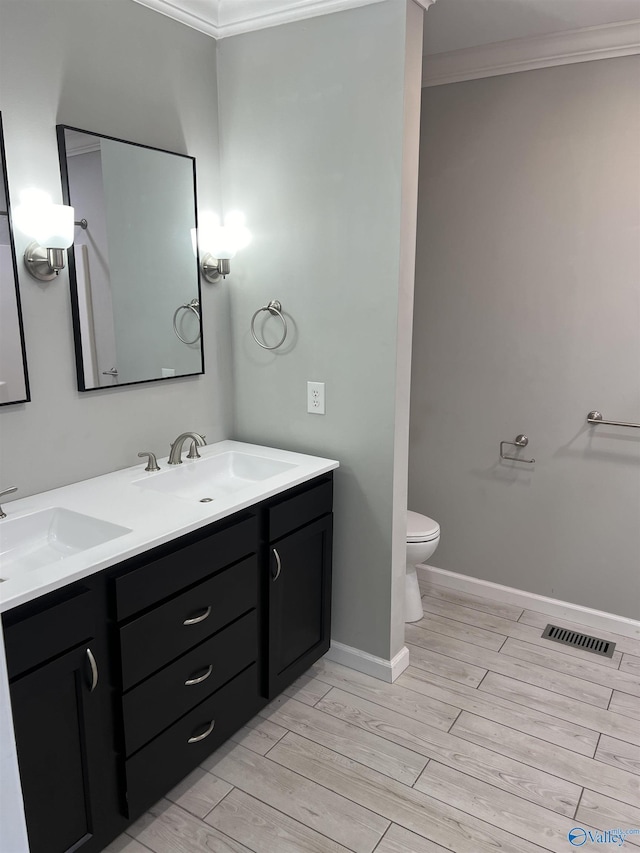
[(423, 535)]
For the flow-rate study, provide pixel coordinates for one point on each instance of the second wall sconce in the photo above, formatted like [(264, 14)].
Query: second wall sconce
[(219, 243), (51, 227)]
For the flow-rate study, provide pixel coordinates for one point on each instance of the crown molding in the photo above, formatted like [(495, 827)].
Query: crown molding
[(525, 54), (201, 15), (87, 148), (222, 18)]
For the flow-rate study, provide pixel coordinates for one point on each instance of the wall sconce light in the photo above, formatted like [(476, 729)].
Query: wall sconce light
[(51, 227), (219, 243)]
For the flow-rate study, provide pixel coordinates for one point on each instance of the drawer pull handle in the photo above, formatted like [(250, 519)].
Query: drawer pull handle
[(278, 565), (200, 678), (206, 733), (199, 618), (93, 682)]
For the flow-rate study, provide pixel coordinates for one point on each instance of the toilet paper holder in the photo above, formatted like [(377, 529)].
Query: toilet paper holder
[(520, 441)]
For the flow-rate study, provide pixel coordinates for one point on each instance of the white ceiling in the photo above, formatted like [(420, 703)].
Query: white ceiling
[(457, 24)]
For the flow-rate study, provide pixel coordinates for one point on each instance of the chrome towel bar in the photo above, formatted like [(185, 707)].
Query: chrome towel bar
[(520, 441), (596, 418)]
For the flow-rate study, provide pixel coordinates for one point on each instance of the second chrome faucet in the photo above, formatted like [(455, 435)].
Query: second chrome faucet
[(175, 456)]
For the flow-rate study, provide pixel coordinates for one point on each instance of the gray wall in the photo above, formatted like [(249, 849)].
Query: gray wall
[(312, 152), (527, 315), (116, 68)]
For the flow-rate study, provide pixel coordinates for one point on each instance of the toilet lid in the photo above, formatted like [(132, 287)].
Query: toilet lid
[(421, 528)]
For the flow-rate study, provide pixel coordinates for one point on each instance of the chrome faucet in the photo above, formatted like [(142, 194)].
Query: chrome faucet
[(176, 447), (10, 491)]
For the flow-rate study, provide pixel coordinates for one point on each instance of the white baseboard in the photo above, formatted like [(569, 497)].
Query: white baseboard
[(385, 670), (531, 601)]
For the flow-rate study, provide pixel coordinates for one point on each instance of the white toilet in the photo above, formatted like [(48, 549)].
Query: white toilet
[(423, 535)]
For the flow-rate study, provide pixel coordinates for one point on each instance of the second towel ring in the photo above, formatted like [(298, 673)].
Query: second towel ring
[(194, 306), (274, 307)]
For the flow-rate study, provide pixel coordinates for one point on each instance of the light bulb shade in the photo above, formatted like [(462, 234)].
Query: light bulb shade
[(219, 243), (222, 245), (50, 225), (55, 226), (240, 235)]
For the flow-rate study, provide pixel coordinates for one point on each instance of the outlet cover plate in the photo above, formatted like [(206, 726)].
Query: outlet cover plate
[(315, 398)]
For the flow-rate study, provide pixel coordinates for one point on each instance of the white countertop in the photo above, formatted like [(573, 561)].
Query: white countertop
[(153, 517)]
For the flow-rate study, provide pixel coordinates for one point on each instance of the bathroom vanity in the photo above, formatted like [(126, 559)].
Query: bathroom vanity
[(124, 677)]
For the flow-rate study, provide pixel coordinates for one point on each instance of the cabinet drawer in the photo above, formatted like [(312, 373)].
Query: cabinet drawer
[(153, 640), (53, 625), (182, 564), (160, 765), (160, 700), (301, 508)]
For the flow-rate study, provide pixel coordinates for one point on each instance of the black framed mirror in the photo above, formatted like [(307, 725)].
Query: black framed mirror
[(14, 378), (133, 268)]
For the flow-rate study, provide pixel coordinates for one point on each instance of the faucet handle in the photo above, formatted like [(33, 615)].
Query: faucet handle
[(152, 462), (4, 492), (193, 451)]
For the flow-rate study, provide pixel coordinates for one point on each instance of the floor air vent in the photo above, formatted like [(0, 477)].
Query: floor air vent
[(579, 641)]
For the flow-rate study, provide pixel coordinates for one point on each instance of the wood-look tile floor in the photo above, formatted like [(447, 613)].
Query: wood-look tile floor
[(492, 740)]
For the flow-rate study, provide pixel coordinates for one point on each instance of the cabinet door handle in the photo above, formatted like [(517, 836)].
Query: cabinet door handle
[(206, 733), (278, 565), (199, 618), (198, 679), (93, 681)]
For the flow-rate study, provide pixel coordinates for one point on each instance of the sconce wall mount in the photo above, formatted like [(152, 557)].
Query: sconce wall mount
[(214, 268), (43, 264)]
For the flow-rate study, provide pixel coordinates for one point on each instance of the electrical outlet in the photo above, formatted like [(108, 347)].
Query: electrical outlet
[(315, 398)]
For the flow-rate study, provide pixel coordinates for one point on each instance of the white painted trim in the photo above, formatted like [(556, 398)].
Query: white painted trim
[(531, 601), (384, 670), (221, 18), (278, 12), (87, 148), (185, 13), (426, 4), (525, 54)]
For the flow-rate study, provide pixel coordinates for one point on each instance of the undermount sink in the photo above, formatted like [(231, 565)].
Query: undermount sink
[(214, 477), (50, 535)]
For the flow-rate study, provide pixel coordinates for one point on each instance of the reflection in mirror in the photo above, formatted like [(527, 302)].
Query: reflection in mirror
[(14, 382), (135, 288)]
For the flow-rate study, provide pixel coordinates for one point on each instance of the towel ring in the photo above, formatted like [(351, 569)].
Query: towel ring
[(275, 308), (194, 306)]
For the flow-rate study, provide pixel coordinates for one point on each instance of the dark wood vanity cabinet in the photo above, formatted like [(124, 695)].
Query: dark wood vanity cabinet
[(299, 532), (123, 683), (63, 719)]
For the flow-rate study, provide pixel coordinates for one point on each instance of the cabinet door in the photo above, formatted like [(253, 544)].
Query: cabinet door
[(299, 602), (57, 724)]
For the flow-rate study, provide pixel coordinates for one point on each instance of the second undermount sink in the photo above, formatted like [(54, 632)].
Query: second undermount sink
[(48, 536), (214, 477)]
